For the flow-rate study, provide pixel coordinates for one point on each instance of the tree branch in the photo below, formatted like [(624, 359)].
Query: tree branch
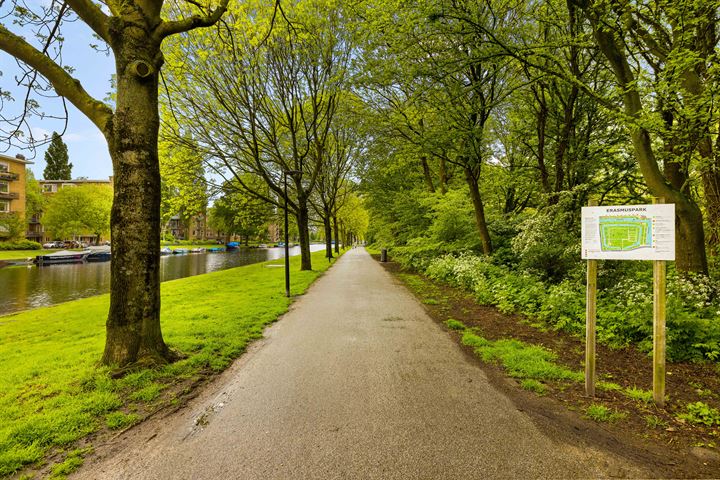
[(63, 83), (93, 16), (167, 28)]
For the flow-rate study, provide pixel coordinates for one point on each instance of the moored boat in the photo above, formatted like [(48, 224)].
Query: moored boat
[(197, 250), (63, 256), (99, 254), (166, 251), (180, 251), (215, 250), (233, 245)]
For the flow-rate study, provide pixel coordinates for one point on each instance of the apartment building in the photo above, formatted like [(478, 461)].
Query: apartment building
[(12, 185)]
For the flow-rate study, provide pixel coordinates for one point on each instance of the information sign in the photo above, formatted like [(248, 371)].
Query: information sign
[(629, 232)]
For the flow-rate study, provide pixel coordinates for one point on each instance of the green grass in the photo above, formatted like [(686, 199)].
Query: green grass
[(521, 360), (52, 392), (533, 386), (645, 396), (22, 254), (601, 413), (453, 324)]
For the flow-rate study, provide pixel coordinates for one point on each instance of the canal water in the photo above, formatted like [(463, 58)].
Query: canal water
[(27, 286)]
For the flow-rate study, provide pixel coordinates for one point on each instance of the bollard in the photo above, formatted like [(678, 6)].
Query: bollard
[(383, 255)]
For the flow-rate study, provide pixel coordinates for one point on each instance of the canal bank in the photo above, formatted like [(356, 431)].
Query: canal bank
[(53, 394), (28, 286)]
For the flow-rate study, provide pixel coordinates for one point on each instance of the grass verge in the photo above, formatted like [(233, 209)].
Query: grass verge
[(22, 254), (52, 393)]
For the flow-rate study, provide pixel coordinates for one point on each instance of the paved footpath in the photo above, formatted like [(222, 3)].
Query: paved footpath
[(356, 381)]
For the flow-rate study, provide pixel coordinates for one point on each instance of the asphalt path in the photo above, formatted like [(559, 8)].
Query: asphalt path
[(356, 381)]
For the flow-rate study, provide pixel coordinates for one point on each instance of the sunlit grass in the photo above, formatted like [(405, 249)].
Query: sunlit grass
[(52, 391)]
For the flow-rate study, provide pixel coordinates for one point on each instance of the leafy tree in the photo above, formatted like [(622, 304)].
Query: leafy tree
[(133, 31), (58, 165), (73, 211), (273, 94), (237, 212), (34, 199)]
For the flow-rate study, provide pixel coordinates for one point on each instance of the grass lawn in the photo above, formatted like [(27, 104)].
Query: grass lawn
[(22, 254), (53, 393)]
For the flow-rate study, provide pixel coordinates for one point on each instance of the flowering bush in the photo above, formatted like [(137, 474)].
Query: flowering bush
[(624, 310)]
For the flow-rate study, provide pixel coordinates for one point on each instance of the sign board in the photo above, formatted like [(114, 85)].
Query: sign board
[(629, 232)]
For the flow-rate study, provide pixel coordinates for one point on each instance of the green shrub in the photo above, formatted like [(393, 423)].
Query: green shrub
[(701, 413), (453, 324), (20, 245)]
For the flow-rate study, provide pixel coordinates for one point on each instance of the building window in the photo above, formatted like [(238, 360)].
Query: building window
[(4, 167), (4, 187), (64, 185), (4, 206), (49, 188)]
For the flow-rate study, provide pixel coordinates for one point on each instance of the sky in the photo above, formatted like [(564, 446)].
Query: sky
[(87, 148)]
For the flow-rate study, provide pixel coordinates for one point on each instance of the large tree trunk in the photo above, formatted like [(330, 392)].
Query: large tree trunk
[(303, 223), (479, 211), (133, 324)]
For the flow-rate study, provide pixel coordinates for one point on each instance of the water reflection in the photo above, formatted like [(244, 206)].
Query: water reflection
[(26, 287)]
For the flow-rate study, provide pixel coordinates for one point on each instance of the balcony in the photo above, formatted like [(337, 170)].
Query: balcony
[(9, 176), (9, 195)]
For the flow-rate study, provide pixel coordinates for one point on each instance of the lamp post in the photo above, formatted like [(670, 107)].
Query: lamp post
[(287, 247)]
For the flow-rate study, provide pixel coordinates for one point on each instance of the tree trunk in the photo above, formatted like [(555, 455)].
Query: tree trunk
[(303, 224), (133, 324), (443, 176), (479, 211), (427, 174), (328, 235)]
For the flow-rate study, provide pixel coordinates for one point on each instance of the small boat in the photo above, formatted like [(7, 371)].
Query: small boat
[(99, 254), (197, 250), (263, 245), (180, 251), (233, 245), (166, 251), (215, 249), (63, 256)]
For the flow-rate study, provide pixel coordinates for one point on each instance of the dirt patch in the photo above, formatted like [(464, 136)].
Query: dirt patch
[(653, 436)]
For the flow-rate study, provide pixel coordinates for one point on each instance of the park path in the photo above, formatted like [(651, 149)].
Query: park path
[(356, 381)]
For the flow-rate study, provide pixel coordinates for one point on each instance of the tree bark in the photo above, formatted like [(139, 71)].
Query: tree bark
[(443, 176), (328, 235), (133, 324), (303, 223), (427, 174), (479, 211)]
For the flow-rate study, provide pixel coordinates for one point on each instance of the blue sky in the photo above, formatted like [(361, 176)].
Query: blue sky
[(86, 146)]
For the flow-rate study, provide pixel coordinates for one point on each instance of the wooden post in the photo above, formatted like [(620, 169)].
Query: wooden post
[(590, 318), (659, 327)]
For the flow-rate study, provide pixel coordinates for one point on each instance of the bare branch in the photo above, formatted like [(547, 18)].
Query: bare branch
[(63, 83)]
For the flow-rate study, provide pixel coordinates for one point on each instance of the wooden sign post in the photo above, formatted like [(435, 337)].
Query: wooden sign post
[(590, 319), (628, 232), (659, 327)]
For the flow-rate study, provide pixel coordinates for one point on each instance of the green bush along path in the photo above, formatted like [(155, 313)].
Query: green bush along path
[(356, 381), (52, 392)]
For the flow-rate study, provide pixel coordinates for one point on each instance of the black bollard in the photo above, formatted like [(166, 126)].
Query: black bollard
[(383, 255)]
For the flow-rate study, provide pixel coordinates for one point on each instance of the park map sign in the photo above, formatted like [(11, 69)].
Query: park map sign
[(629, 232)]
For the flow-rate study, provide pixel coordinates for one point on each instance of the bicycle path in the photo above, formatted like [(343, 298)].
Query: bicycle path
[(355, 381)]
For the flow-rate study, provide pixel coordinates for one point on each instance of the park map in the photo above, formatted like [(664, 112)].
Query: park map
[(624, 233)]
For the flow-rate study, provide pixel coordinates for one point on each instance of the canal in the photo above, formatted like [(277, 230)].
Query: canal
[(27, 286)]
